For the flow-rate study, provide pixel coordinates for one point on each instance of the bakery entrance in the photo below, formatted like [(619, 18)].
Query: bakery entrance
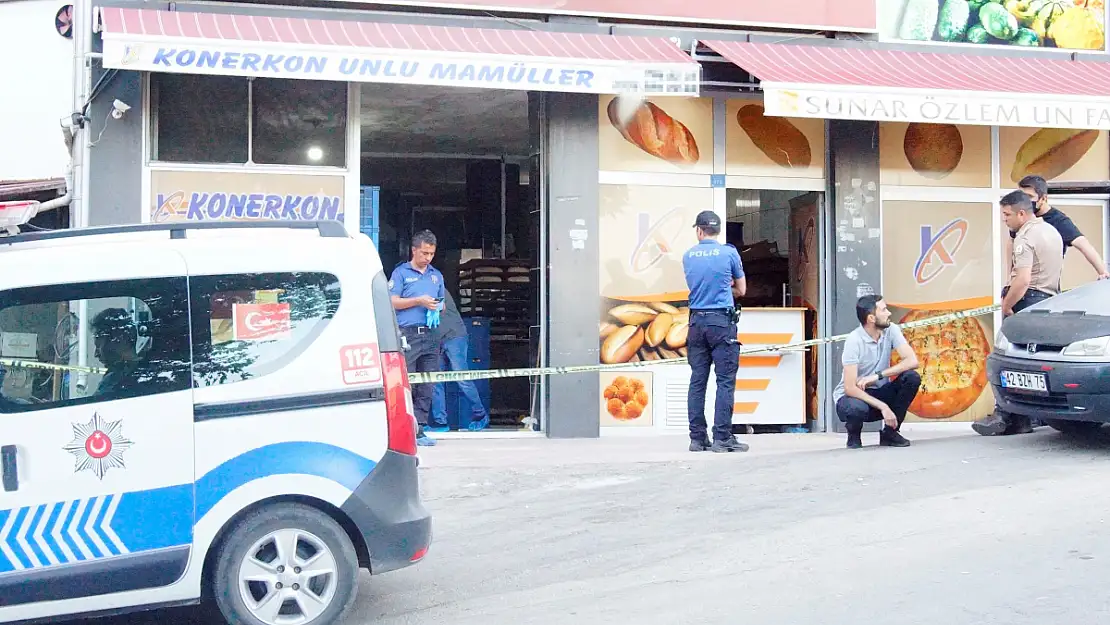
[(459, 162), (778, 235)]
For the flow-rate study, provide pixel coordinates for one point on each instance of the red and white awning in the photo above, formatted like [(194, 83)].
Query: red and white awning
[(356, 51), (938, 87)]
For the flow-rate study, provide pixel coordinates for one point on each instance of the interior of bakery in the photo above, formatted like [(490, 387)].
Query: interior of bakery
[(775, 232), (458, 162)]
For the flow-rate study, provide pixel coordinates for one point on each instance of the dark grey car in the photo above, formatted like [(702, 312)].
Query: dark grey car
[(1052, 361)]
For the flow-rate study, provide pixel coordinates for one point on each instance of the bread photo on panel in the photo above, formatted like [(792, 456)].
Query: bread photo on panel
[(933, 150), (1050, 152), (776, 137), (650, 128)]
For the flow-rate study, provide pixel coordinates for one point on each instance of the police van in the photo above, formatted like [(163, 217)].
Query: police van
[(201, 411)]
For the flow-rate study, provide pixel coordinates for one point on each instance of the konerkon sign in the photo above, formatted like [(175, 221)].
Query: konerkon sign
[(415, 68), (913, 105)]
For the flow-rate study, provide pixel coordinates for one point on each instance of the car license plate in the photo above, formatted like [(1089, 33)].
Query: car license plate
[(1025, 381)]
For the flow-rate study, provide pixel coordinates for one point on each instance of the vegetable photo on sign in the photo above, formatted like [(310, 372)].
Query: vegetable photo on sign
[(1064, 24)]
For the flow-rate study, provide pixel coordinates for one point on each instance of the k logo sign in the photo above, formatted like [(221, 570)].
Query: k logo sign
[(656, 241), (939, 251)]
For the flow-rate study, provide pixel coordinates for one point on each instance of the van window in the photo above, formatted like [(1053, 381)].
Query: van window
[(246, 326), (135, 343)]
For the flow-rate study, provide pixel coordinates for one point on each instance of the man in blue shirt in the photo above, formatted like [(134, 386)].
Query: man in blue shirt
[(715, 276), (416, 291)]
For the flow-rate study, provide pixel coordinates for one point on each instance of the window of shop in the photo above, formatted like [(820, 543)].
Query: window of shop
[(137, 331), (764, 177), (246, 326), (230, 120)]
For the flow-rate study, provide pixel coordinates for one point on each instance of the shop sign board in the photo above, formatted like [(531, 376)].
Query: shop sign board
[(244, 196), (842, 15), (905, 105), (413, 68), (1044, 24)]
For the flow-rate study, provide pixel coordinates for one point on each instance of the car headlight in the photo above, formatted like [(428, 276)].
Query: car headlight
[(1001, 343), (1092, 348)]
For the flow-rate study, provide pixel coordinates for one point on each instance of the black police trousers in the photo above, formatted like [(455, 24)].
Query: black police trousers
[(423, 356), (712, 341), (1032, 296)]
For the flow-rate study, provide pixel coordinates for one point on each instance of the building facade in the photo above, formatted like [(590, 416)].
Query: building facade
[(561, 157)]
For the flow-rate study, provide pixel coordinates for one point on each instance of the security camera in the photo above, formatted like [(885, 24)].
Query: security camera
[(119, 107)]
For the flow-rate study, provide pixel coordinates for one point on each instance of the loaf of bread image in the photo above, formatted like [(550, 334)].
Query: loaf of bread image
[(654, 131), (1050, 152), (933, 150), (643, 331), (776, 137), (953, 367)]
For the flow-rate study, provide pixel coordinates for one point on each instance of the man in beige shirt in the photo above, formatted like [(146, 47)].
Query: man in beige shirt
[(1036, 261), (1034, 277)]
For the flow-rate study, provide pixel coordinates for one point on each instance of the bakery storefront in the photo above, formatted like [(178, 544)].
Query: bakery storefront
[(923, 143), (566, 156), (391, 124)]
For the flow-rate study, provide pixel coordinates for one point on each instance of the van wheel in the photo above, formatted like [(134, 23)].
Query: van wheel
[(1074, 428), (285, 564)]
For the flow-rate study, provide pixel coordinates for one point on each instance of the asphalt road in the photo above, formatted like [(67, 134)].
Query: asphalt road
[(956, 530)]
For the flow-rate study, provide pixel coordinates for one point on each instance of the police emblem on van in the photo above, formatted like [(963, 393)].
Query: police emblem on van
[(98, 446)]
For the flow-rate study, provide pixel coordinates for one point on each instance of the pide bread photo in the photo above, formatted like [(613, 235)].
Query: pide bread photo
[(778, 138), (953, 367)]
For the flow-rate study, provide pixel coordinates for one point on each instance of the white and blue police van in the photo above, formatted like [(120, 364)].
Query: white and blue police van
[(201, 411)]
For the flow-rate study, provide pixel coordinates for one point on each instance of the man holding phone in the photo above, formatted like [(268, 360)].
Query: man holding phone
[(416, 290)]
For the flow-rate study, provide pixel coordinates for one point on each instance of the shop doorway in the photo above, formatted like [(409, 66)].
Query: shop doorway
[(457, 162), (778, 235)]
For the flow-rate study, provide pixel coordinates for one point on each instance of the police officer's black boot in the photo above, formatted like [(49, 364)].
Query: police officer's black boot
[(994, 424), (726, 446), (702, 445)]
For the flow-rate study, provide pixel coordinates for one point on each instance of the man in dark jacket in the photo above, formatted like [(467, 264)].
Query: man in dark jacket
[(455, 343)]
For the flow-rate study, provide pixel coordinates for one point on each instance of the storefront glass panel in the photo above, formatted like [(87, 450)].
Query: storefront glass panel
[(662, 161)]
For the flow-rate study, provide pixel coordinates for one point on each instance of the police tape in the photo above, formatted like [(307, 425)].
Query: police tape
[(462, 376), (15, 364)]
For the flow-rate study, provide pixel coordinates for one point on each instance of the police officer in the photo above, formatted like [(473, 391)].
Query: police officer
[(1035, 277), (715, 276), (416, 290)]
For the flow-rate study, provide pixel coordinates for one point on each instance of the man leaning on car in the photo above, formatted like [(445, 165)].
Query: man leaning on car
[(1034, 277)]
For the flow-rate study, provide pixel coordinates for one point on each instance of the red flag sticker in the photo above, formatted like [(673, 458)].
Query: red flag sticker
[(262, 322)]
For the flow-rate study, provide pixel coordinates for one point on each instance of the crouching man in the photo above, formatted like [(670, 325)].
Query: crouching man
[(870, 388)]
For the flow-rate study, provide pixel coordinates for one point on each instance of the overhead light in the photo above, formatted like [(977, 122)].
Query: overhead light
[(315, 153)]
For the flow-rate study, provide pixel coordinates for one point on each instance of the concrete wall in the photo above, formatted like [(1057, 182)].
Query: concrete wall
[(116, 161), (37, 88), (572, 285), (856, 255)]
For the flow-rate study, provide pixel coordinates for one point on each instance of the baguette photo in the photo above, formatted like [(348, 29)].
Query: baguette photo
[(654, 131)]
